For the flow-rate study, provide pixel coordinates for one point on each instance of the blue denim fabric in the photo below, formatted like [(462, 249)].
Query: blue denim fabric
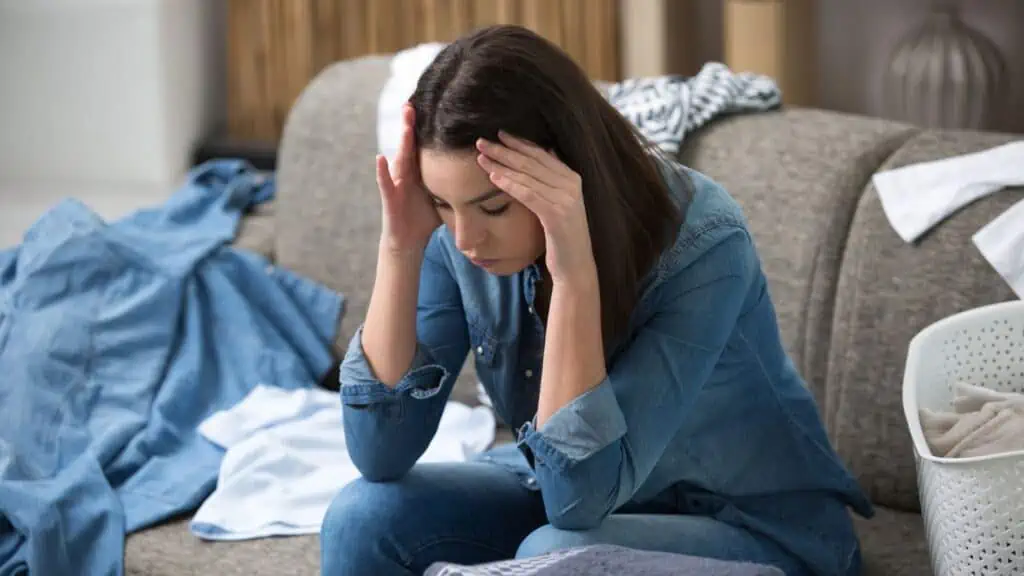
[(479, 512), (116, 341), (702, 410)]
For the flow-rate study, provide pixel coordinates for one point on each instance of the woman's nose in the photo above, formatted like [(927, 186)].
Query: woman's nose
[(468, 234)]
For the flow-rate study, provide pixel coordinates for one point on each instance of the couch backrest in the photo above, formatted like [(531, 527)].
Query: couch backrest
[(849, 293), (328, 208), (888, 291), (798, 175)]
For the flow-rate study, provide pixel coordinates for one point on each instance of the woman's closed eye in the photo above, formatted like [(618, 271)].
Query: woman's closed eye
[(490, 211), (497, 211)]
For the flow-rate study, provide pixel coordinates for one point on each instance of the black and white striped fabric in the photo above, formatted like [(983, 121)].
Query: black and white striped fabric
[(667, 108)]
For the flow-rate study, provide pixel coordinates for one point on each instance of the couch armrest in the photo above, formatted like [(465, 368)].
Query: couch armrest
[(256, 231)]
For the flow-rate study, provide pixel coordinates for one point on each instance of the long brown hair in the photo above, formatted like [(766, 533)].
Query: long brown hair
[(510, 78)]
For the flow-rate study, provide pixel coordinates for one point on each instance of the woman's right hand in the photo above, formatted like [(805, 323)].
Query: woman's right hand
[(409, 216)]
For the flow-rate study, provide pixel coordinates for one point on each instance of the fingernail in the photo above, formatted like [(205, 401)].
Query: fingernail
[(481, 143)]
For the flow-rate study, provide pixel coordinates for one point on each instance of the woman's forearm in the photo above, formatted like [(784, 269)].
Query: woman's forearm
[(573, 348), (389, 332)]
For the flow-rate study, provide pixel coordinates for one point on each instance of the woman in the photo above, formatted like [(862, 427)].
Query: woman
[(620, 323)]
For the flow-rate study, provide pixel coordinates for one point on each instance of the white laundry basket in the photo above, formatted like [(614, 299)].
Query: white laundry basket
[(973, 508)]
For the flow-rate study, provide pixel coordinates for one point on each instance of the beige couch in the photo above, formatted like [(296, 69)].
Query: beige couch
[(850, 294)]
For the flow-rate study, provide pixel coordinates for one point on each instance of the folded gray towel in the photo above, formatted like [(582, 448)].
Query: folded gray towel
[(606, 560), (982, 422)]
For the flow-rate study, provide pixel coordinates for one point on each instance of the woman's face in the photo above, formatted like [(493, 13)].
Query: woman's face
[(492, 229)]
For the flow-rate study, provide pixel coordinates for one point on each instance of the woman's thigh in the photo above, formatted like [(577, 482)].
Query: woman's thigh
[(465, 513), (688, 535)]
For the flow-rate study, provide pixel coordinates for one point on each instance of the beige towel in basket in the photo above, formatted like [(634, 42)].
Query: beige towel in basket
[(983, 422)]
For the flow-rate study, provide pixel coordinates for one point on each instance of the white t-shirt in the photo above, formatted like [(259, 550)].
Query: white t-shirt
[(286, 460)]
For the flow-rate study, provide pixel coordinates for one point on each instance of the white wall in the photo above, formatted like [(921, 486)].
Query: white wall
[(107, 91)]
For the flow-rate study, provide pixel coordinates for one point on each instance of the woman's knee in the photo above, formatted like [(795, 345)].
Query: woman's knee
[(358, 526), (354, 505), (547, 539)]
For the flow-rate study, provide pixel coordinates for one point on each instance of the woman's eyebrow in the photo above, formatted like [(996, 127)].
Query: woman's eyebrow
[(492, 193)]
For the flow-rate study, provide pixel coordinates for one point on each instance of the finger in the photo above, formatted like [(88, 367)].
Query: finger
[(543, 191), (384, 180), (406, 156), (518, 161), (531, 150), (525, 188)]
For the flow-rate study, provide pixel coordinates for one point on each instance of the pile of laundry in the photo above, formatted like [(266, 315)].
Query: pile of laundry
[(149, 368), (286, 459), (980, 422)]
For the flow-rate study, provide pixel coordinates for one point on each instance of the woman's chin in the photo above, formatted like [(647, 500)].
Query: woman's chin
[(503, 267)]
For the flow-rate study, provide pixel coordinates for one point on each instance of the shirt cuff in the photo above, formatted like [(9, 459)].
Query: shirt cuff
[(360, 386), (576, 431)]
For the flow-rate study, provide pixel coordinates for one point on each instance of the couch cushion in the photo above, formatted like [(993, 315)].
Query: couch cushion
[(171, 550), (893, 544), (256, 231), (887, 292), (798, 175)]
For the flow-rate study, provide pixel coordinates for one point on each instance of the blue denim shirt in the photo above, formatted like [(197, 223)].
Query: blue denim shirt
[(702, 411), (116, 340)]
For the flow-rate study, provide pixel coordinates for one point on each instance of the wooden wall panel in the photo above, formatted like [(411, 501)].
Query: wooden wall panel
[(776, 38), (276, 46)]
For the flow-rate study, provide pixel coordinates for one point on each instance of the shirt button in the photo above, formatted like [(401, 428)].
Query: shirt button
[(531, 481), (479, 350), (529, 373), (531, 309)]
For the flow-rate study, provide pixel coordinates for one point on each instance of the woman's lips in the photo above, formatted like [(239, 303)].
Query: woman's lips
[(484, 263)]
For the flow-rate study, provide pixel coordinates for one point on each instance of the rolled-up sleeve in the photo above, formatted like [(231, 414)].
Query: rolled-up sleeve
[(592, 455), (361, 388), (387, 429)]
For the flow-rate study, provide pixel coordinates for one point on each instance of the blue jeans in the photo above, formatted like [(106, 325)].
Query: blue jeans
[(475, 512)]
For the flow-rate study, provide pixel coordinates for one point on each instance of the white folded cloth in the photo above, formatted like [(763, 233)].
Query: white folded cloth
[(1002, 243), (981, 422), (286, 459), (918, 196)]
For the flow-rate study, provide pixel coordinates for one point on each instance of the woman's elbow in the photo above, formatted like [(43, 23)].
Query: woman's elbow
[(382, 475), (582, 497), (379, 457), (379, 466)]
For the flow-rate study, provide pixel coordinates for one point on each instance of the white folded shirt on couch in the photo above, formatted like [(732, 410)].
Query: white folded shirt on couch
[(286, 459), (919, 196)]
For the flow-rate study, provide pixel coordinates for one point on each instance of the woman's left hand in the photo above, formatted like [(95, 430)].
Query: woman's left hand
[(554, 193)]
